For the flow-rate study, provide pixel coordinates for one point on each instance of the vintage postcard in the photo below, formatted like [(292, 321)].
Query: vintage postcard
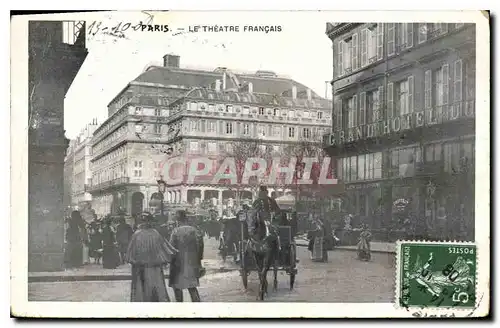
[(334, 168)]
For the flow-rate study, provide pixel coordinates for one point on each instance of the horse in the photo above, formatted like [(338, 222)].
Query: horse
[(264, 247)]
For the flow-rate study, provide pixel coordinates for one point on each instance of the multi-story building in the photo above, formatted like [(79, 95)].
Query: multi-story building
[(217, 123), (404, 122), (78, 176), (69, 164), (128, 149), (56, 53)]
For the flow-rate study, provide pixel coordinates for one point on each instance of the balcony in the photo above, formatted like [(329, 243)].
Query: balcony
[(74, 33), (428, 169), (109, 184)]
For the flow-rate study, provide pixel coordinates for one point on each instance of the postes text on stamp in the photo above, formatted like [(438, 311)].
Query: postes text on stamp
[(436, 275)]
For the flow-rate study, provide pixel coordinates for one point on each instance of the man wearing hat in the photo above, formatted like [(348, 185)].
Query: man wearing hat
[(186, 268), (266, 204), (148, 252)]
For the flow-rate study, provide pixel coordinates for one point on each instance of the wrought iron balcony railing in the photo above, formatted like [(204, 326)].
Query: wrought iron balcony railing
[(73, 33), (108, 184)]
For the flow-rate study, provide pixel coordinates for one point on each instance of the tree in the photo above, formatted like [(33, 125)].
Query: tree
[(307, 148), (239, 152)]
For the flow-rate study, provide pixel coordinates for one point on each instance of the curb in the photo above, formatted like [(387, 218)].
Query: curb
[(350, 249), (116, 277)]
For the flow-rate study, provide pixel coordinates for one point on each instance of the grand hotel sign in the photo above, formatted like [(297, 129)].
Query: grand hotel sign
[(397, 124)]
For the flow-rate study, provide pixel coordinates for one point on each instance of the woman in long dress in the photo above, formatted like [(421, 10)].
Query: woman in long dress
[(74, 244), (148, 252), (110, 256), (364, 249)]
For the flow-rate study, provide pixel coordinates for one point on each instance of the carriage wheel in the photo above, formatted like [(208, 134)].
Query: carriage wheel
[(244, 277), (275, 283), (243, 270), (235, 254)]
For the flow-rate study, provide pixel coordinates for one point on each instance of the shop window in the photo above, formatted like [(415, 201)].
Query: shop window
[(353, 168), (403, 162), (451, 157)]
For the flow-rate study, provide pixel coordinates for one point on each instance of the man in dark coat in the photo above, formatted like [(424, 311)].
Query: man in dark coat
[(123, 234), (266, 204), (186, 269), (148, 252)]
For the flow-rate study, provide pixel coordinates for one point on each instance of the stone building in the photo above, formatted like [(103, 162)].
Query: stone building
[(218, 124), (56, 53), (128, 149), (78, 176), (404, 124)]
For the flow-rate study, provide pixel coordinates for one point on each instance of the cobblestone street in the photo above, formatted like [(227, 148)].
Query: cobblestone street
[(342, 279)]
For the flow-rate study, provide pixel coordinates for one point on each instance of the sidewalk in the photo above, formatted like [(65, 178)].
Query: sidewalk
[(377, 246), (95, 272)]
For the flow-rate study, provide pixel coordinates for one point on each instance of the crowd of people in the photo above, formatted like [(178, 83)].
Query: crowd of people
[(100, 241), (148, 247)]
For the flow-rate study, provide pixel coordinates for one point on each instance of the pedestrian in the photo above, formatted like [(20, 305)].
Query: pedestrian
[(148, 252), (124, 233), (110, 256), (74, 241), (364, 248), (85, 246), (95, 241), (186, 268)]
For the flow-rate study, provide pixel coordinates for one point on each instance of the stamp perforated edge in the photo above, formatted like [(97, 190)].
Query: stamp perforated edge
[(434, 310)]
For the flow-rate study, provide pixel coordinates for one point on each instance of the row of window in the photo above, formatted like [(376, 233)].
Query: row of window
[(255, 130), (403, 162), (442, 86), (361, 49), (216, 148), (105, 127), (116, 171), (151, 111), (262, 111), (359, 168), (117, 153), (104, 144)]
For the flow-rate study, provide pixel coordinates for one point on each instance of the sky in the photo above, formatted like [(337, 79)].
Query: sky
[(300, 51)]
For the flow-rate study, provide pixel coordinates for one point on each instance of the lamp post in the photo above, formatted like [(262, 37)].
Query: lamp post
[(162, 185)]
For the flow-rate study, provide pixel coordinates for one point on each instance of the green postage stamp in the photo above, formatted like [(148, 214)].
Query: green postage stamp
[(436, 275)]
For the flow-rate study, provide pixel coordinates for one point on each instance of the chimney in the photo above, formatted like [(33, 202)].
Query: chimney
[(309, 96), (250, 87), (224, 80), (171, 61), (294, 92), (217, 85)]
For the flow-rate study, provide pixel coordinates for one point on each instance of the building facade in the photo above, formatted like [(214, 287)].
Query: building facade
[(69, 164), (78, 176), (219, 124), (56, 53), (404, 124), (130, 147)]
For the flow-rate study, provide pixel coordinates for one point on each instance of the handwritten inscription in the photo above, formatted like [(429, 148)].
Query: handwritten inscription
[(120, 29)]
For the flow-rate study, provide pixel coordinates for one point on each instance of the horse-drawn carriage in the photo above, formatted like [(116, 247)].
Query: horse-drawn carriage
[(275, 249)]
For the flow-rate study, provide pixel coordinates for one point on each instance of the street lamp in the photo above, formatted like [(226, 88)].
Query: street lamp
[(162, 185)]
